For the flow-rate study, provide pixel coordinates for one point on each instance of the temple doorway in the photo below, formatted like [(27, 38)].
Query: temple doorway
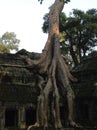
[(30, 116), (11, 117)]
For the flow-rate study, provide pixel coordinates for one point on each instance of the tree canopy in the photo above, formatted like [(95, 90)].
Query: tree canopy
[(8, 42), (78, 32)]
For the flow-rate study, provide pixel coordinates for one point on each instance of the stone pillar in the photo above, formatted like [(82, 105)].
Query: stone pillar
[(2, 117), (22, 122), (93, 111)]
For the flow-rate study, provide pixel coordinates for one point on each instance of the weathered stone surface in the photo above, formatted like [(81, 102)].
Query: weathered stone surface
[(86, 90), (19, 89), (17, 83)]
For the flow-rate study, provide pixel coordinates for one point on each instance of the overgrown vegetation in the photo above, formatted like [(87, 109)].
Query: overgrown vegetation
[(8, 42), (78, 33)]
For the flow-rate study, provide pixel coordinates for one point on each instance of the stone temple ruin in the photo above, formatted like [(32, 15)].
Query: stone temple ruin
[(86, 91), (19, 91)]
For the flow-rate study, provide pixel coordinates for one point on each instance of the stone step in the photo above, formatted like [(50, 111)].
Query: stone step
[(52, 128)]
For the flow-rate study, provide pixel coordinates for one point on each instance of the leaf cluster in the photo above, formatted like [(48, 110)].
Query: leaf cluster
[(78, 32), (8, 42)]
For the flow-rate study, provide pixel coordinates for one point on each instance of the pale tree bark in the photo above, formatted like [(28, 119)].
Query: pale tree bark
[(53, 65)]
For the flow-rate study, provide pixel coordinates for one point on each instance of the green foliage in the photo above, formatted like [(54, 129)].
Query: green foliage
[(45, 26), (79, 31), (8, 42)]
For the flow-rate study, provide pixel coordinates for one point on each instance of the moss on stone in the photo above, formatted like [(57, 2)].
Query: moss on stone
[(85, 89), (20, 93)]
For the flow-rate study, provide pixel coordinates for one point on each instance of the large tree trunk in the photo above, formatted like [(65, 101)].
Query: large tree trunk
[(53, 66)]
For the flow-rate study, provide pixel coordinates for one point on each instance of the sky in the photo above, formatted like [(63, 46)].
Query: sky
[(25, 19)]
